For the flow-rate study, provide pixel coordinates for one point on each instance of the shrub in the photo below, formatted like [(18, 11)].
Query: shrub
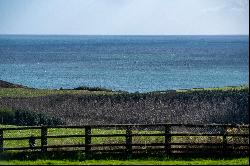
[(7, 115), (92, 89), (29, 118)]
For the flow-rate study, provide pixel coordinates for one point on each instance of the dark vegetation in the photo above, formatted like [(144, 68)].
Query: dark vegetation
[(197, 106), (92, 89), (27, 118), (4, 84)]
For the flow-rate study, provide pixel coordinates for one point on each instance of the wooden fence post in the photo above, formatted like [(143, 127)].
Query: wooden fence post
[(44, 131), (128, 141), (87, 140), (224, 140), (1, 140), (168, 139)]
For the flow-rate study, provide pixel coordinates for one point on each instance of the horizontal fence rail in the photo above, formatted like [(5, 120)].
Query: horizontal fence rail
[(129, 138)]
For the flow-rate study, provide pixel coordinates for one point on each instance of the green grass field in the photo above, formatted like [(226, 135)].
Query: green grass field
[(106, 140), (150, 161), (63, 141), (25, 92), (109, 161), (226, 88)]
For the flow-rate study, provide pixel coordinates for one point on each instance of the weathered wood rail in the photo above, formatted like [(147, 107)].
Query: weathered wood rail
[(229, 138)]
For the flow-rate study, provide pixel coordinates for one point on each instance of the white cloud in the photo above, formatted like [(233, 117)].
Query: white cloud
[(228, 6)]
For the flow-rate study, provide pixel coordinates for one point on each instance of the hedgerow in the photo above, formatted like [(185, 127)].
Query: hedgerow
[(27, 118)]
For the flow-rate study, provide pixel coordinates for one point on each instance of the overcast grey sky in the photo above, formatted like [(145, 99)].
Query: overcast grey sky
[(124, 17)]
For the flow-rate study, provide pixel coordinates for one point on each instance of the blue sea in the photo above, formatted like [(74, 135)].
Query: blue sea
[(129, 63)]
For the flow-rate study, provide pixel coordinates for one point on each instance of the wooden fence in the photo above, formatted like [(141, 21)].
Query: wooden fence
[(175, 138)]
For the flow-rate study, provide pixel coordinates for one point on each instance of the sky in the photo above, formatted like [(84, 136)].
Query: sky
[(125, 17)]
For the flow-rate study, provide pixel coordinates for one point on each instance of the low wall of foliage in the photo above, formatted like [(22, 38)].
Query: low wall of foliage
[(199, 107), (26, 118)]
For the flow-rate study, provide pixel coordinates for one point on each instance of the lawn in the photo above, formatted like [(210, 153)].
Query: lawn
[(76, 160), (149, 161), (145, 140), (74, 140)]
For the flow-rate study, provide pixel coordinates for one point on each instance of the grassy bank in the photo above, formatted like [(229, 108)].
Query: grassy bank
[(226, 88), (149, 161), (27, 92), (24, 92)]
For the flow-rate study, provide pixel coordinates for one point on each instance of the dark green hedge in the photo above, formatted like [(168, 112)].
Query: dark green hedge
[(29, 118)]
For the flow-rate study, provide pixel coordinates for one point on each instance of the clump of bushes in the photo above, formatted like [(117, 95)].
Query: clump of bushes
[(6, 115), (28, 118), (92, 89)]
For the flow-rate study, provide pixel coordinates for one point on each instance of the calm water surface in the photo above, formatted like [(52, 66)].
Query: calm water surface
[(130, 63)]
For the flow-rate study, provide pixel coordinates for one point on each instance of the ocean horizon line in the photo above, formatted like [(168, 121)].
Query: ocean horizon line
[(10, 34)]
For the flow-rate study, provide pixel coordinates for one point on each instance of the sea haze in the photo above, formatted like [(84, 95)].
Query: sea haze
[(130, 63)]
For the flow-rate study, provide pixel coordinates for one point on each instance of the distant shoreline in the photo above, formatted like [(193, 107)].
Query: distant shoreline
[(8, 89), (6, 84)]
